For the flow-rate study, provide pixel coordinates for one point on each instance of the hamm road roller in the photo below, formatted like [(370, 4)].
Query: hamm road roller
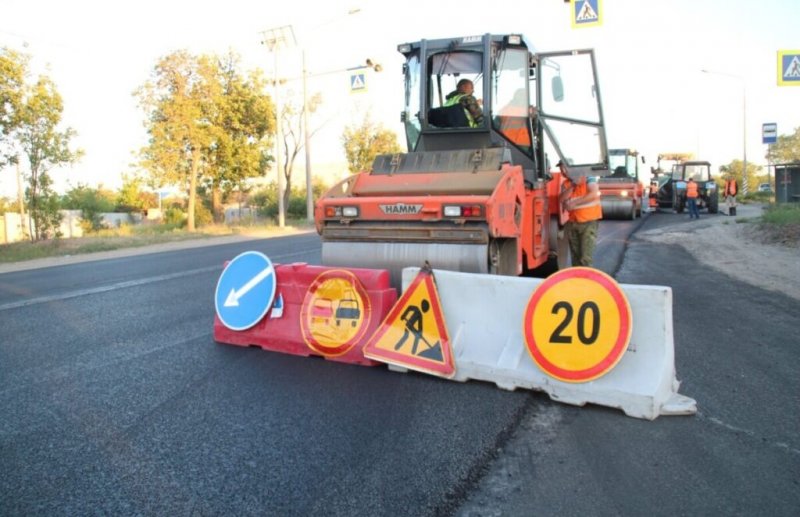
[(475, 191)]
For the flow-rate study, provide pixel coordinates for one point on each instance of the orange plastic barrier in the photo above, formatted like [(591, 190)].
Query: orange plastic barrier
[(323, 311)]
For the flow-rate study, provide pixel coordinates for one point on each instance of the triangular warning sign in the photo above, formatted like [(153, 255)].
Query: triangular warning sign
[(414, 333)]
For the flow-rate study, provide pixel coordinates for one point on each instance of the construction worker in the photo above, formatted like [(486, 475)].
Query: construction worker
[(731, 189), (581, 198), (691, 198), (514, 120), (463, 95)]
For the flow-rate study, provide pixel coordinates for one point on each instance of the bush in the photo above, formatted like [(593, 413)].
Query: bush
[(175, 217)]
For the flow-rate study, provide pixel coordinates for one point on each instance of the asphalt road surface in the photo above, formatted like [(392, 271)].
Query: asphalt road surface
[(115, 400)]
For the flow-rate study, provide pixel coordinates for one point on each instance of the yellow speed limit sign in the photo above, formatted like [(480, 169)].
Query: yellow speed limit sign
[(577, 324)]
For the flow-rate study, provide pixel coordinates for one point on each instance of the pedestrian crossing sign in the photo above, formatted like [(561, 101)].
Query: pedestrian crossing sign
[(358, 81), (414, 334), (789, 68), (585, 13)]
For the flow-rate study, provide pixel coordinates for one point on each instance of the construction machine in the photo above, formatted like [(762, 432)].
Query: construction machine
[(700, 172), (622, 193), (473, 193)]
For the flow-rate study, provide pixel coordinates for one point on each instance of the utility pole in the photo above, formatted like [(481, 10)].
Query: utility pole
[(21, 201), (275, 39)]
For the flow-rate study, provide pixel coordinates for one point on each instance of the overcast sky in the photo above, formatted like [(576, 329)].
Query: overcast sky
[(649, 53)]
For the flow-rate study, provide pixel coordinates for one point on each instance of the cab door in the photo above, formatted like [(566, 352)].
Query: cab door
[(571, 112)]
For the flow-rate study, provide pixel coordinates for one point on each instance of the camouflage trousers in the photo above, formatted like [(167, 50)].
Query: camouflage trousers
[(582, 239)]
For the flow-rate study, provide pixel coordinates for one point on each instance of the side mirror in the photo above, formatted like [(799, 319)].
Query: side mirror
[(558, 88)]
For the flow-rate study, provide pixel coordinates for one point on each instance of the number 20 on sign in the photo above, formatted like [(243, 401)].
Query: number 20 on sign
[(577, 324)]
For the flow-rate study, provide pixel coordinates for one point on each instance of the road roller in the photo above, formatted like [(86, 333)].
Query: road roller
[(622, 193), (485, 117)]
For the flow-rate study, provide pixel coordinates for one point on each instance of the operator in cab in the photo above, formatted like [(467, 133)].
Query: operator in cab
[(581, 198), (464, 95)]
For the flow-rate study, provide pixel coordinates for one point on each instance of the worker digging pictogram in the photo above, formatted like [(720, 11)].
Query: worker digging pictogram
[(414, 318), (414, 334)]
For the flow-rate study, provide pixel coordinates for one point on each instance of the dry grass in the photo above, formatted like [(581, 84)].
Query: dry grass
[(132, 237)]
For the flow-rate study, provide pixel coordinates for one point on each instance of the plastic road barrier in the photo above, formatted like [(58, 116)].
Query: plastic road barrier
[(316, 310), (492, 340)]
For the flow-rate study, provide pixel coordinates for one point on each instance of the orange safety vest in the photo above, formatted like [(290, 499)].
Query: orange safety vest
[(591, 211), (691, 189), (731, 188), (514, 124)]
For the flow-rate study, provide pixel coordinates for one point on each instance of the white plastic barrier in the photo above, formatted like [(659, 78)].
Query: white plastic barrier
[(484, 316)]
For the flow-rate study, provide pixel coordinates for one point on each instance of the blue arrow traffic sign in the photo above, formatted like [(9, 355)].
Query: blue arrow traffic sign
[(245, 290)]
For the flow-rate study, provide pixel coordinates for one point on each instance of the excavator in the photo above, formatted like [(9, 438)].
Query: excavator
[(473, 193)]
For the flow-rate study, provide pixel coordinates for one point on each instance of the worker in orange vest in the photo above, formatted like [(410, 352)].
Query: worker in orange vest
[(731, 189), (514, 120), (581, 198), (691, 198)]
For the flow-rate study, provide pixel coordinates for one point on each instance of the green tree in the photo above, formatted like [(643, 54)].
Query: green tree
[(178, 101), (132, 197), (45, 147), (245, 117), (786, 149), (92, 202), (363, 142), (207, 125), (13, 69)]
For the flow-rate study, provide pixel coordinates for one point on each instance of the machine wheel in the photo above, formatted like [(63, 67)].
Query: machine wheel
[(562, 259), (633, 211), (713, 204), (503, 257)]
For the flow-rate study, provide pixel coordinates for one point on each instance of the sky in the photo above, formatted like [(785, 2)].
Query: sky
[(649, 54)]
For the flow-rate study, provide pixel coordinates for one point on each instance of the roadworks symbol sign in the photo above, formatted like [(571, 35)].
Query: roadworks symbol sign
[(414, 334)]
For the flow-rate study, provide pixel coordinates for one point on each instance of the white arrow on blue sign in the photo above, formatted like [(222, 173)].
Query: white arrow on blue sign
[(245, 290)]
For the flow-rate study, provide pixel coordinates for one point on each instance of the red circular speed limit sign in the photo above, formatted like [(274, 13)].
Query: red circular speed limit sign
[(577, 324)]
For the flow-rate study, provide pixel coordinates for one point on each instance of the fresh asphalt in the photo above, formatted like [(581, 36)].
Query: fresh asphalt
[(115, 400)]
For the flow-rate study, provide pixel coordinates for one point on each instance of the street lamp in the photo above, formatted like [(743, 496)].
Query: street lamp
[(744, 124), (275, 39)]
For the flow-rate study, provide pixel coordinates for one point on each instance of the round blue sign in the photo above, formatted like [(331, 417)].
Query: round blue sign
[(245, 290)]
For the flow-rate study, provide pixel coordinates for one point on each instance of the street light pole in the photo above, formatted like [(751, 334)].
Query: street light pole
[(744, 125), (306, 135), (307, 145)]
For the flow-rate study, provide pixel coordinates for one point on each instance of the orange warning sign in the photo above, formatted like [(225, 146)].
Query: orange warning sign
[(414, 334), (335, 313)]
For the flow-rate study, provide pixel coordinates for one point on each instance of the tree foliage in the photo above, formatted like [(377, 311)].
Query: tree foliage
[(92, 202), (786, 149), (293, 142), (366, 140), (13, 68), (206, 123), (30, 116), (132, 197)]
